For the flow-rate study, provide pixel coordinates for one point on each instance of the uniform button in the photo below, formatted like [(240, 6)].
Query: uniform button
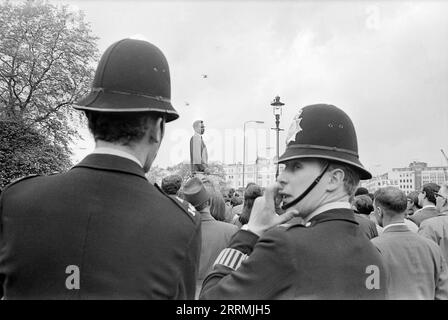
[(307, 224)]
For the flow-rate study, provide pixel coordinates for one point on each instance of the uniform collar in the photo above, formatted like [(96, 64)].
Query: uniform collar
[(111, 162), (118, 153), (338, 213), (328, 206)]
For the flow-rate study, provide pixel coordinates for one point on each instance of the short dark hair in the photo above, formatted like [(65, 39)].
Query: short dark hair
[(360, 191), (413, 196), (217, 205), (252, 192), (250, 184), (363, 204), (171, 184), (391, 199), (430, 189), (119, 127)]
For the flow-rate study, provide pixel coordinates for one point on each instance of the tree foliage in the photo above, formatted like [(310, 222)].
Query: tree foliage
[(25, 151), (47, 59)]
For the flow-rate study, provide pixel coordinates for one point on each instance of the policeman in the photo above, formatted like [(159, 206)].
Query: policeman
[(100, 230), (321, 253)]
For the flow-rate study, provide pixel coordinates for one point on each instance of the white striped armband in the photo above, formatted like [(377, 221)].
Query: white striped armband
[(231, 258)]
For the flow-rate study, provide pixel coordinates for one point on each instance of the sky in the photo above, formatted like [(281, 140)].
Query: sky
[(384, 63)]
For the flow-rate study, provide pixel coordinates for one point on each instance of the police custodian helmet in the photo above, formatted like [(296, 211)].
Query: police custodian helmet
[(326, 132), (132, 76)]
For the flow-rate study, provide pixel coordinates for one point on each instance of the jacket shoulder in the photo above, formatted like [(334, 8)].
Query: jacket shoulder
[(287, 230), (183, 205), (21, 179)]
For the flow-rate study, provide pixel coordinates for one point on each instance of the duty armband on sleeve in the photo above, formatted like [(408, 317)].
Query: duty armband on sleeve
[(231, 258), (240, 247)]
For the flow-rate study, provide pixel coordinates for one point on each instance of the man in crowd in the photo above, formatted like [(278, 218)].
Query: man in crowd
[(326, 256), (436, 228), (376, 218), (426, 200), (416, 268), (100, 230), (215, 234)]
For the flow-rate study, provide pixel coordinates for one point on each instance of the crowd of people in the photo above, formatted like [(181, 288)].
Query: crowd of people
[(399, 225), (102, 231)]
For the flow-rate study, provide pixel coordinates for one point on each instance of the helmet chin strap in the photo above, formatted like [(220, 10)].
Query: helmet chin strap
[(308, 190)]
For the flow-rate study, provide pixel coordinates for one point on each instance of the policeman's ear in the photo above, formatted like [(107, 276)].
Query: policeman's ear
[(335, 179), (156, 129), (161, 124)]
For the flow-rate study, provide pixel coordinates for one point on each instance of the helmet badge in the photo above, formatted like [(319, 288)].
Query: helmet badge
[(294, 128)]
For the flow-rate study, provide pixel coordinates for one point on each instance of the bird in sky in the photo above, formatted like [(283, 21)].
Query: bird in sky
[(204, 76)]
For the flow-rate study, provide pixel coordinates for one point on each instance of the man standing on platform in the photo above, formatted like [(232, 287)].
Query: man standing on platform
[(198, 150)]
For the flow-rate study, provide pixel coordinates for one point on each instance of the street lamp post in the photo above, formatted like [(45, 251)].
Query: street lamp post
[(277, 108), (244, 145)]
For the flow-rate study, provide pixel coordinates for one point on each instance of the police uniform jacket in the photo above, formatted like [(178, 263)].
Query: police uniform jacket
[(126, 237), (327, 258)]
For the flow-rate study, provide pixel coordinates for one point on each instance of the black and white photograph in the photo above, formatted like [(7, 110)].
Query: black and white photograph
[(234, 151)]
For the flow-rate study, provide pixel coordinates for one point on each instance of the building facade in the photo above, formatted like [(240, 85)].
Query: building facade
[(410, 178), (378, 182), (262, 172)]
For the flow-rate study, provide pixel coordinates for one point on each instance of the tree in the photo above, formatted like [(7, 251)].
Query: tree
[(25, 151), (47, 58), (183, 169), (218, 176)]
